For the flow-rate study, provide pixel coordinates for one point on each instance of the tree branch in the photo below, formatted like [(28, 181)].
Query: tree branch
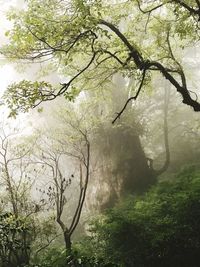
[(149, 10), (131, 98), (66, 85), (142, 64), (46, 245), (186, 6), (80, 206)]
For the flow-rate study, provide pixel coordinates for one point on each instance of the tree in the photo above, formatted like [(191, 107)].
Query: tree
[(57, 152), (89, 45), (19, 229), (90, 42), (15, 171)]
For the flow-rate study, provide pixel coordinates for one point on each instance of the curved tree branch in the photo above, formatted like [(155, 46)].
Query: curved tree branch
[(147, 65), (149, 10), (134, 55), (131, 98)]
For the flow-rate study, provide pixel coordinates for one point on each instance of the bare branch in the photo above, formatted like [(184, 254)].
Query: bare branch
[(66, 85), (131, 98), (149, 10), (46, 245)]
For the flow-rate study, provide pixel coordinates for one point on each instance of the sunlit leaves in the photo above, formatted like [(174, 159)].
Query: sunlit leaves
[(25, 95), (69, 34), (10, 230)]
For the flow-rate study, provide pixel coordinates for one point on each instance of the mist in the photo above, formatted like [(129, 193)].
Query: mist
[(99, 134)]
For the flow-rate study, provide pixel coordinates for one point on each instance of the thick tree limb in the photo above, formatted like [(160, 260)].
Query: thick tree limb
[(192, 10), (137, 57), (134, 55), (147, 65)]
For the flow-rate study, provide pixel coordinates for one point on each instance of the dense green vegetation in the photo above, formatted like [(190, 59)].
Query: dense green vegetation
[(94, 179), (160, 228)]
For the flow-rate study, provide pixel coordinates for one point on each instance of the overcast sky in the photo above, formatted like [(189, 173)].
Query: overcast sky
[(7, 72)]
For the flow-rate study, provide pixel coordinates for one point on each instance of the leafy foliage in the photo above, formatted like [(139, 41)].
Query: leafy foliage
[(79, 40), (14, 246), (159, 229), (52, 257), (25, 94)]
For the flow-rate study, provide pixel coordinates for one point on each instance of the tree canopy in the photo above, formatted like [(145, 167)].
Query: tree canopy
[(92, 40)]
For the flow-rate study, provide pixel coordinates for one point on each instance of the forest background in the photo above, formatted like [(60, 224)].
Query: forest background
[(103, 169)]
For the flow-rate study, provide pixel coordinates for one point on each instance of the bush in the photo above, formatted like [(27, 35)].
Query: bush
[(52, 257), (158, 229)]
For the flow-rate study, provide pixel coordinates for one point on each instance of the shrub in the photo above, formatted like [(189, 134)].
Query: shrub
[(158, 229)]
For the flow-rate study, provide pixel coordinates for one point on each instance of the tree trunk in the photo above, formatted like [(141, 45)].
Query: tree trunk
[(67, 239), (122, 167), (70, 261)]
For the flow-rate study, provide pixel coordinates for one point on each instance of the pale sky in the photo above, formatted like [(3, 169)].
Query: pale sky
[(7, 73)]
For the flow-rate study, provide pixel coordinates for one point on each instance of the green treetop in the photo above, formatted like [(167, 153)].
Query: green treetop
[(92, 40)]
